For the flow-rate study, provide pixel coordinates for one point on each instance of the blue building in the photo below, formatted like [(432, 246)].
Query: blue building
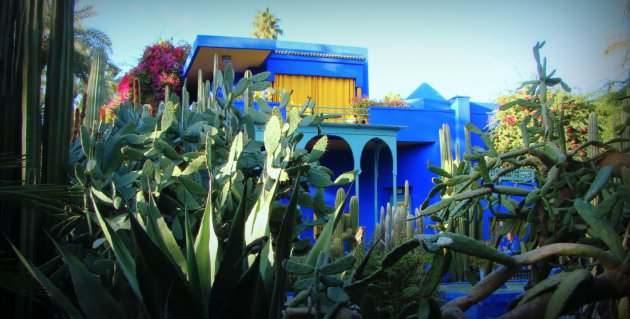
[(387, 145)]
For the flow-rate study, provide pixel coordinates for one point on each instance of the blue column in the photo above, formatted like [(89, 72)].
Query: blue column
[(394, 150), (377, 153)]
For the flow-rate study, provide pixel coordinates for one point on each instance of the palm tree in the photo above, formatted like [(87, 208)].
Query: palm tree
[(623, 43), (84, 40), (266, 25)]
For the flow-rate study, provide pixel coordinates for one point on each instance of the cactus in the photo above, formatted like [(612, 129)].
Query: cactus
[(96, 88), (136, 92), (446, 155), (625, 120), (593, 135), (146, 110), (469, 222), (396, 225), (346, 229), (248, 95)]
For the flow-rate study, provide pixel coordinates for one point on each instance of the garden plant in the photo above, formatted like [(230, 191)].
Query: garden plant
[(178, 210)]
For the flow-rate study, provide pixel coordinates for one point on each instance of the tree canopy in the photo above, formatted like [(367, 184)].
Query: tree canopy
[(266, 25)]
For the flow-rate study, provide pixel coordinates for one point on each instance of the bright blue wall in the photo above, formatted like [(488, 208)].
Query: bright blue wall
[(421, 125), (480, 120), (318, 66)]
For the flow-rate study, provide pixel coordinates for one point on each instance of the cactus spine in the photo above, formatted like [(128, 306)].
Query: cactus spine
[(95, 89)]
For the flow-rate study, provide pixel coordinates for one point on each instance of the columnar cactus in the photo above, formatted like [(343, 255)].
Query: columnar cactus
[(625, 119), (96, 88), (593, 135), (446, 149), (136, 92), (347, 227), (396, 224), (146, 110)]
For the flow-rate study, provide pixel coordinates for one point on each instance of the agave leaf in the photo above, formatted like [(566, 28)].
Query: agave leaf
[(206, 246), (166, 238), (257, 224), (192, 186), (195, 165), (191, 258), (232, 264), (94, 299), (53, 292), (284, 242), (164, 288), (122, 253), (248, 298)]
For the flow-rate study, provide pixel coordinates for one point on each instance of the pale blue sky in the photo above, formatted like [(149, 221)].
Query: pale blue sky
[(472, 48)]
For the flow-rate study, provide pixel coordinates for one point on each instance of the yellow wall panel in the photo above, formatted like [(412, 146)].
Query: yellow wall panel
[(328, 93)]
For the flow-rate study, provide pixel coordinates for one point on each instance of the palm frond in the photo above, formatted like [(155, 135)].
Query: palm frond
[(14, 280), (43, 197), (84, 13)]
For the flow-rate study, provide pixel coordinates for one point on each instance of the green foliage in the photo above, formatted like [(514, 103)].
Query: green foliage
[(576, 209), (400, 284), (185, 202), (505, 130), (608, 101), (266, 25)]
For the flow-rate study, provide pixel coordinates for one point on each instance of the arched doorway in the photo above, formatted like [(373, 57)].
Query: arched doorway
[(376, 184)]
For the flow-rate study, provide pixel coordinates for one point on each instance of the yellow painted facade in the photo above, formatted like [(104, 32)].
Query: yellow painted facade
[(331, 95)]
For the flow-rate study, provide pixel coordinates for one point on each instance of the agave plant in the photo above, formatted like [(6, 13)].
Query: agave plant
[(177, 214)]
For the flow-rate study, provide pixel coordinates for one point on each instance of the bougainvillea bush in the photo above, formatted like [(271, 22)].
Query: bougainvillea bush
[(504, 126), (160, 66)]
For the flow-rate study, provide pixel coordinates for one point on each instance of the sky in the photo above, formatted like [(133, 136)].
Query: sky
[(479, 49)]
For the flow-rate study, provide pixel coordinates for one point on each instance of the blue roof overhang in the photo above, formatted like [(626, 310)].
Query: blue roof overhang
[(244, 53)]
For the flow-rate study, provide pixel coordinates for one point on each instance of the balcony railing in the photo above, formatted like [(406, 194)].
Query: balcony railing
[(344, 114)]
